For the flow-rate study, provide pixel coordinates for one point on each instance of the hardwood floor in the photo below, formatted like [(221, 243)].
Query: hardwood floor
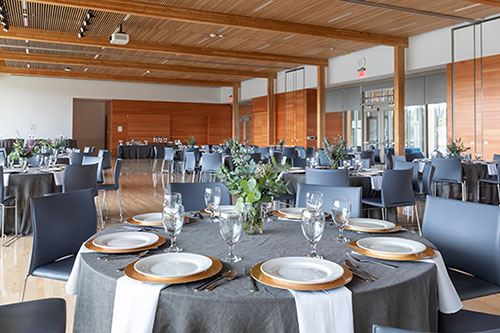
[(139, 195)]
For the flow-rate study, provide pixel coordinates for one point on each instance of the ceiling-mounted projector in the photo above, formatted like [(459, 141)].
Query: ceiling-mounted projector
[(119, 37)]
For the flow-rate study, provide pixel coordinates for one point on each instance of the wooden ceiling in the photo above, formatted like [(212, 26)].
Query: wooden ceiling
[(171, 42)]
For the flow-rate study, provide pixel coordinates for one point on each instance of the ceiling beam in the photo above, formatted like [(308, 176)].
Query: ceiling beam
[(487, 2), (73, 61), (107, 77), (237, 21), (137, 45)]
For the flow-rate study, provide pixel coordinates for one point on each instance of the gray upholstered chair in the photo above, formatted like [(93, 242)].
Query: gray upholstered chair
[(264, 152), (189, 165), (289, 153), (300, 152), (106, 159), (3, 156), (113, 187), (278, 156), (6, 202), (169, 159), (88, 160), (61, 223), (76, 158), (427, 177), (256, 157), (328, 177), (298, 162), (42, 315), (310, 152), (323, 159), (210, 164), (399, 165), (370, 155), (193, 194), (495, 182), (329, 194), (449, 170), (413, 156), (467, 235)]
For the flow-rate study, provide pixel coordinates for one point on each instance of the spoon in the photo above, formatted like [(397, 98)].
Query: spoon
[(228, 276)]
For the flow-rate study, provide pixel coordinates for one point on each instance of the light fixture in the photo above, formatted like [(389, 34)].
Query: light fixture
[(332, 49), (96, 56), (263, 6), (339, 17), (263, 47), (216, 35), (81, 35), (67, 69), (403, 26), (86, 69), (83, 29), (164, 61), (86, 22), (288, 37), (466, 7), (28, 65), (90, 15), (6, 28), (213, 35), (201, 41), (126, 17)]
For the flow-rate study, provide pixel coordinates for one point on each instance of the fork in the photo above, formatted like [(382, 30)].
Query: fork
[(357, 259), (248, 273)]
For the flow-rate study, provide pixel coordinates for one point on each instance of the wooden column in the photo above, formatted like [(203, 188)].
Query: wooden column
[(399, 100), (236, 112), (320, 116), (271, 111), (347, 127)]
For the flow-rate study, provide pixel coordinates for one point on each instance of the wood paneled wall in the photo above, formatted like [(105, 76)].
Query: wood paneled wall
[(488, 127), (334, 124), (142, 120)]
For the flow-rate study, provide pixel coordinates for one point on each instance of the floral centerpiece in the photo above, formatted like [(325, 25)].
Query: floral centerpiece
[(456, 148), (56, 145), (191, 142), (23, 152), (253, 183), (335, 152)]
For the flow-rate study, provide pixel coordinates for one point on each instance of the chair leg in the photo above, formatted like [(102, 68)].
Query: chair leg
[(3, 225), (16, 234), (478, 191), (418, 220), (120, 204), (24, 288), (162, 166), (154, 165)]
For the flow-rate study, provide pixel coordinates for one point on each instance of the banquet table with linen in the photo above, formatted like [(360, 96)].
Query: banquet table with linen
[(135, 151), (405, 297), (25, 186)]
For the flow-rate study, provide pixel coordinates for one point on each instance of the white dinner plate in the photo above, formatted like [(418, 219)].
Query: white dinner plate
[(391, 245), (149, 217), (302, 270), (371, 224), (169, 265), (292, 212), (125, 240)]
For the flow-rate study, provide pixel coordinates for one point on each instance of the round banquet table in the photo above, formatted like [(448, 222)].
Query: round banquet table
[(405, 297)]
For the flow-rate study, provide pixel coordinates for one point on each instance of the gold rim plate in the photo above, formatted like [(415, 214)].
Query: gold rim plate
[(427, 253), (396, 228), (89, 245), (213, 270), (264, 279)]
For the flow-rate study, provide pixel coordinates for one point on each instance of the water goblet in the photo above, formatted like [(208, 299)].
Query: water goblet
[(341, 211), (212, 200), (265, 211), (230, 227), (313, 224), (173, 222), (314, 201), (171, 202)]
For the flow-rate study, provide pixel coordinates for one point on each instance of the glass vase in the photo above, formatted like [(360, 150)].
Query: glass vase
[(252, 220), (24, 164)]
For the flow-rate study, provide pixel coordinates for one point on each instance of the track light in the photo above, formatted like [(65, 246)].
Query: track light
[(81, 35), (6, 28), (90, 15), (3, 14), (83, 29), (86, 22)]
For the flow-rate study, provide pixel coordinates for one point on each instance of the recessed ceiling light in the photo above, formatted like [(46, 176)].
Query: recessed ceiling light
[(28, 65), (67, 69), (27, 51), (332, 49), (263, 47), (86, 69), (213, 35), (466, 7), (288, 37), (263, 6), (96, 56), (339, 17), (403, 26), (221, 36), (148, 71)]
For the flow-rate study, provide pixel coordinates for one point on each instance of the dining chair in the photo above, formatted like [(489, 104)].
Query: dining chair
[(113, 187), (467, 235), (289, 153), (210, 164), (300, 152), (366, 163), (370, 155), (169, 158), (79, 177), (399, 165), (495, 182), (328, 177), (61, 223), (449, 170), (298, 162), (323, 159), (256, 157), (310, 152), (76, 158), (42, 315), (189, 165), (35, 160), (88, 160), (264, 152), (413, 156), (6, 203), (401, 158), (278, 156), (197, 154), (3, 156), (396, 191), (329, 194), (193, 194), (106, 159), (389, 163), (427, 177)]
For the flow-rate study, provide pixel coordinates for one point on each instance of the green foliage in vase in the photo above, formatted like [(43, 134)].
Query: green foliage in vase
[(457, 147), (191, 142), (252, 182), (335, 152), (55, 145), (24, 151)]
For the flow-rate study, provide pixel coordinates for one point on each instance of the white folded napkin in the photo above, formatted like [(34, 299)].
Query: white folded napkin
[(492, 169), (6, 179), (376, 182), (449, 301), (324, 310), (72, 283), (135, 305)]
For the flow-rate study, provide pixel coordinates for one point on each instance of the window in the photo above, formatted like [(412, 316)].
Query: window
[(437, 127)]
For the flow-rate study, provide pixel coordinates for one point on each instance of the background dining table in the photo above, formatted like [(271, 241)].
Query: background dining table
[(405, 297)]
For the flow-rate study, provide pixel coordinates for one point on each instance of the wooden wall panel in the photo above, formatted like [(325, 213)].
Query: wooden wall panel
[(245, 110), (141, 127), (184, 127), (259, 121), (491, 93), (334, 124), (280, 117), (312, 111)]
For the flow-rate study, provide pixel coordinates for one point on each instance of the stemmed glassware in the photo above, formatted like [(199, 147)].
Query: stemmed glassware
[(313, 224), (212, 200), (230, 227), (341, 211), (314, 201), (265, 211), (173, 221), (171, 202)]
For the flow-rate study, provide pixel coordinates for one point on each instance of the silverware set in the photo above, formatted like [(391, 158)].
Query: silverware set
[(214, 283), (359, 259), (353, 258), (248, 273)]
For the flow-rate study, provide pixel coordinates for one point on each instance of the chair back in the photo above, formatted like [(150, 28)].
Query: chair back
[(86, 150), (289, 152), (389, 162), (189, 161), (496, 157), (106, 158), (412, 156), (169, 153), (427, 177), (384, 329), (370, 155), (467, 235), (300, 152), (299, 162), (211, 162), (197, 153), (79, 177), (376, 155), (87, 160), (61, 223), (328, 177), (310, 152), (398, 165), (193, 194), (76, 158), (3, 156), (2, 188), (447, 169), (366, 163), (397, 188), (278, 156), (323, 159), (255, 157), (264, 152), (398, 158), (329, 194), (117, 172)]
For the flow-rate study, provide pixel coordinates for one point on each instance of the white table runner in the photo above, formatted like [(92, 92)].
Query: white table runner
[(58, 178), (74, 276), (324, 311)]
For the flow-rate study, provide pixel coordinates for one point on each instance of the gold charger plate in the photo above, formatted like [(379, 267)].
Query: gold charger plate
[(264, 279), (89, 245), (396, 228), (150, 224), (290, 216), (213, 270), (427, 253)]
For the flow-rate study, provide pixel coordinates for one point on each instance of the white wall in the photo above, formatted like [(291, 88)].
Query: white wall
[(43, 107)]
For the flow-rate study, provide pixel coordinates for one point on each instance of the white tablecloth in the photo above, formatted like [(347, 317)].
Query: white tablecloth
[(58, 178)]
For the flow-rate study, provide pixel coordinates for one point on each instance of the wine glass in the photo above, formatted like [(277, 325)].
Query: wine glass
[(314, 201), (230, 227), (341, 211), (173, 220), (265, 210), (313, 224), (212, 200), (171, 202)]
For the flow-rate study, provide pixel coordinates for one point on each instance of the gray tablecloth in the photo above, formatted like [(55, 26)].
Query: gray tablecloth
[(24, 187), (406, 297)]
